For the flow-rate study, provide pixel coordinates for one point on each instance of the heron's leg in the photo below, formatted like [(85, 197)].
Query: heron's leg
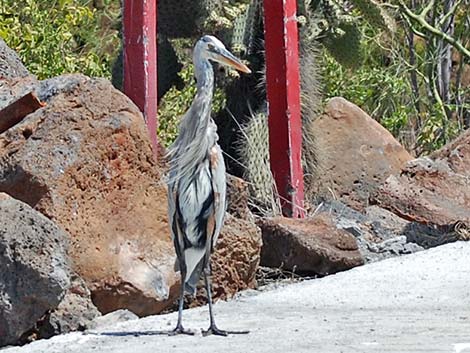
[(179, 329), (213, 329)]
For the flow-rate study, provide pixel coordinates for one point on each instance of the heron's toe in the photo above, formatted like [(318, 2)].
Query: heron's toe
[(180, 330)]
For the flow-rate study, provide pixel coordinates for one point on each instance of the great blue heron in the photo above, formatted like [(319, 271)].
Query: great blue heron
[(196, 183)]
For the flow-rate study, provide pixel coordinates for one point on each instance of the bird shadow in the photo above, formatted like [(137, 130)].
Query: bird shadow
[(131, 333)]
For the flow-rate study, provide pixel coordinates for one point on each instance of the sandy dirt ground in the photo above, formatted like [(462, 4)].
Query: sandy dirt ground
[(414, 303)]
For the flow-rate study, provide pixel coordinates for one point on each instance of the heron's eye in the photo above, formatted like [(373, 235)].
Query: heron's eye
[(211, 47)]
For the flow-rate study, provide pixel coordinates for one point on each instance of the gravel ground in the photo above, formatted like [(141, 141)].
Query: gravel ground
[(414, 303)]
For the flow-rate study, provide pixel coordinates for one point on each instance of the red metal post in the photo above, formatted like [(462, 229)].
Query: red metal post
[(140, 59), (283, 91)]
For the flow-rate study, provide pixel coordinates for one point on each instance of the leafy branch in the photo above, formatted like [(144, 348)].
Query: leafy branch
[(421, 20)]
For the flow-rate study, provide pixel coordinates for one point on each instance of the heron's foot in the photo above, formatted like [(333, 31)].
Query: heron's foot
[(180, 330), (214, 330)]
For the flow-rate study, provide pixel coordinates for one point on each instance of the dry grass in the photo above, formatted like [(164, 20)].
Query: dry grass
[(462, 231), (267, 276)]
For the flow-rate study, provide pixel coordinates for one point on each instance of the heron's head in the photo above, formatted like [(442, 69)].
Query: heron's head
[(209, 47)]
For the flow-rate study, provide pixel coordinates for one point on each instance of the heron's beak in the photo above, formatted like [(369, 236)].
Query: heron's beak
[(227, 58)]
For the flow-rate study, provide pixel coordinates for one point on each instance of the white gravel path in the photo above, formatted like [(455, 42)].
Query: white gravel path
[(414, 303)]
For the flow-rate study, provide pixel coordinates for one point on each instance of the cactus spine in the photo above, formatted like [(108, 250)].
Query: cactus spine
[(253, 149)]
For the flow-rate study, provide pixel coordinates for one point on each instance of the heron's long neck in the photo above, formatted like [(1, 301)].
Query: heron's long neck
[(205, 85), (194, 127), (195, 137), (199, 118)]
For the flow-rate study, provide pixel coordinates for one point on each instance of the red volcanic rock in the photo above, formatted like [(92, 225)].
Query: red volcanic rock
[(356, 154)]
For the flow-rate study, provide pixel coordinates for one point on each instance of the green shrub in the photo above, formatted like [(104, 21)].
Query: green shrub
[(63, 36), (377, 90)]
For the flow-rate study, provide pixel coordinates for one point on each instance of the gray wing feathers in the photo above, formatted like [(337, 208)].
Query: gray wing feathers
[(188, 151)]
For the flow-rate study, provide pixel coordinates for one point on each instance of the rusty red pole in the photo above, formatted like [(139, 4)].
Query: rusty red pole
[(283, 93), (140, 59)]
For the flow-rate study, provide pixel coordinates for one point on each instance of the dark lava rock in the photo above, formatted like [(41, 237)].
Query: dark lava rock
[(34, 265), (310, 246), (10, 64), (75, 312)]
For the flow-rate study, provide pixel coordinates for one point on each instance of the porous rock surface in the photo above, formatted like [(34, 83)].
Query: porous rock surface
[(379, 233), (456, 154), (75, 312), (433, 190), (312, 246), (85, 162), (357, 154), (237, 197), (10, 64), (236, 257), (35, 269)]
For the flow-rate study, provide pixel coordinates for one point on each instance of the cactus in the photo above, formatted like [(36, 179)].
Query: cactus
[(344, 44), (222, 14), (253, 148), (311, 105), (253, 141), (374, 14), (253, 144), (178, 19), (192, 18), (333, 24), (339, 11), (253, 151), (243, 33)]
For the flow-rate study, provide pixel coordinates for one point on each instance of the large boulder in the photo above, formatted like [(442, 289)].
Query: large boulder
[(10, 64), (14, 88), (456, 154), (237, 197), (35, 269), (15, 80), (236, 257), (310, 246), (429, 192), (75, 312), (357, 154), (434, 190), (381, 234), (85, 161)]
